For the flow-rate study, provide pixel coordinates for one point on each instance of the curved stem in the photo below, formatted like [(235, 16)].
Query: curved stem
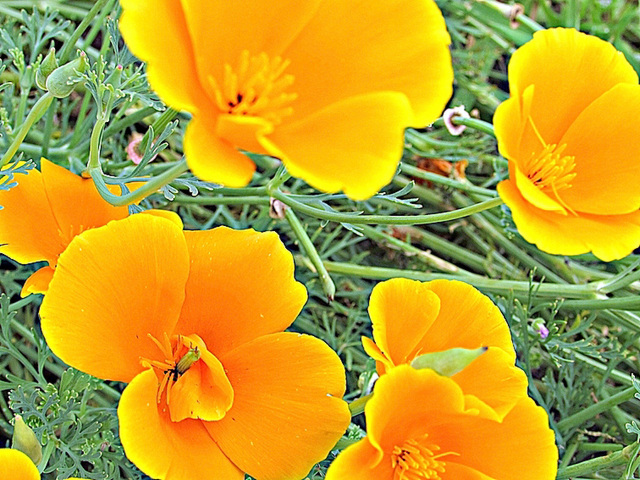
[(357, 406), (596, 464)]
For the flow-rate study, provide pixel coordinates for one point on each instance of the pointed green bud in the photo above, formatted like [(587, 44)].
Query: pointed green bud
[(449, 362), (47, 66), (115, 78), (63, 79), (26, 441)]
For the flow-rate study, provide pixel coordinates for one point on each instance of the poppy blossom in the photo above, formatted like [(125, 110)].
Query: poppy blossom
[(193, 322), (327, 86), (412, 318), (16, 465), (52, 199), (423, 425), (569, 133)]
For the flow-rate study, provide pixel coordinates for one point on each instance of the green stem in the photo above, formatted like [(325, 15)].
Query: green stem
[(356, 219), (70, 44), (597, 464), (301, 234), (357, 406), (602, 406), (474, 123), (240, 200), (449, 182), (35, 114), (631, 302)]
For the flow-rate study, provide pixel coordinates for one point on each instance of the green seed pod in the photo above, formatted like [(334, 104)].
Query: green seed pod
[(63, 79), (26, 441), (48, 65), (449, 362)]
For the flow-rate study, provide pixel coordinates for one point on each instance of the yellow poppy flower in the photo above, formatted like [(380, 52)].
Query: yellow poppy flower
[(42, 214), (327, 86), (412, 318), (216, 388), (569, 134), (15, 465), (423, 425)]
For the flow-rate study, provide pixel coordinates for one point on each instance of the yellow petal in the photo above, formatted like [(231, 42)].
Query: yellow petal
[(533, 194), (609, 237), (288, 398), (165, 449), (240, 286), (213, 159), (565, 84), (607, 160), (15, 465), (96, 315), (171, 67), (353, 145), (38, 282), (360, 461)]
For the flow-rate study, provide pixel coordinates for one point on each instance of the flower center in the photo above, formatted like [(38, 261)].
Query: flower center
[(417, 459), (256, 87), (550, 170)]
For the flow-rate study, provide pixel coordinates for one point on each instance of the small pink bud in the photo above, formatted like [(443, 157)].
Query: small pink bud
[(132, 148), (448, 116)]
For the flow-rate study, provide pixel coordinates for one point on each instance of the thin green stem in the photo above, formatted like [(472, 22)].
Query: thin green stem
[(602, 406), (356, 219), (474, 123), (357, 406), (35, 114), (449, 182), (70, 44), (631, 302), (301, 234), (239, 200), (597, 464)]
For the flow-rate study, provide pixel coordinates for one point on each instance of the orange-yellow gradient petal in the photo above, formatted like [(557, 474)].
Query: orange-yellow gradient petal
[(171, 66), (609, 237), (565, 84), (165, 449), (97, 315), (15, 465), (288, 411), (352, 145), (38, 282), (240, 286), (360, 461)]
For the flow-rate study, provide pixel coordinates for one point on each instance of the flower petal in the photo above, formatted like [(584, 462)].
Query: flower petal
[(609, 237), (213, 159), (353, 145), (165, 449), (355, 48), (586, 65), (607, 160), (96, 315), (402, 311), (360, 461), (15, 465), (240, 286), (38, 282), (171, 67), (34, 237), (288, 398)]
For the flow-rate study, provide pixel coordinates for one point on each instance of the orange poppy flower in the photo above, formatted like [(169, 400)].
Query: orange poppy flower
[(569, 134), (423, 425), (16, 465), (327, 86), (412, 318), (194, 322), (42, 214)]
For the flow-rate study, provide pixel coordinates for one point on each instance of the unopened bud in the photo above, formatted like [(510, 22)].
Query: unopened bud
[(26, 441), (448, 362), (63, 79), (47, 66)]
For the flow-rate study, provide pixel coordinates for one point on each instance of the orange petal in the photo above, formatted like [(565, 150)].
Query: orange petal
[(288, 398), (402, 311), (240, 286), (353, 145), (204, 391), (97, 315), (171, 67), (382, 362), (213, 159), (607, 160), (38, 282), (467, 319), (533, 194), (34, 237), (609, 237), (495, 380), (565, 84), (165, 449), (499, 450), (360, 461), (352, 49), (462, 472), (64, 190), (15, 465)]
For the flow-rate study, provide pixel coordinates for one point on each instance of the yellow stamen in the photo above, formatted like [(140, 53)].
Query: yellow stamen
[(257, 88), (417, 459)]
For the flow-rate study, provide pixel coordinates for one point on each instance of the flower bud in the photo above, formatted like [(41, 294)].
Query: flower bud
[(26, 441), (48, 65), (63, 79), (448, 362)]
